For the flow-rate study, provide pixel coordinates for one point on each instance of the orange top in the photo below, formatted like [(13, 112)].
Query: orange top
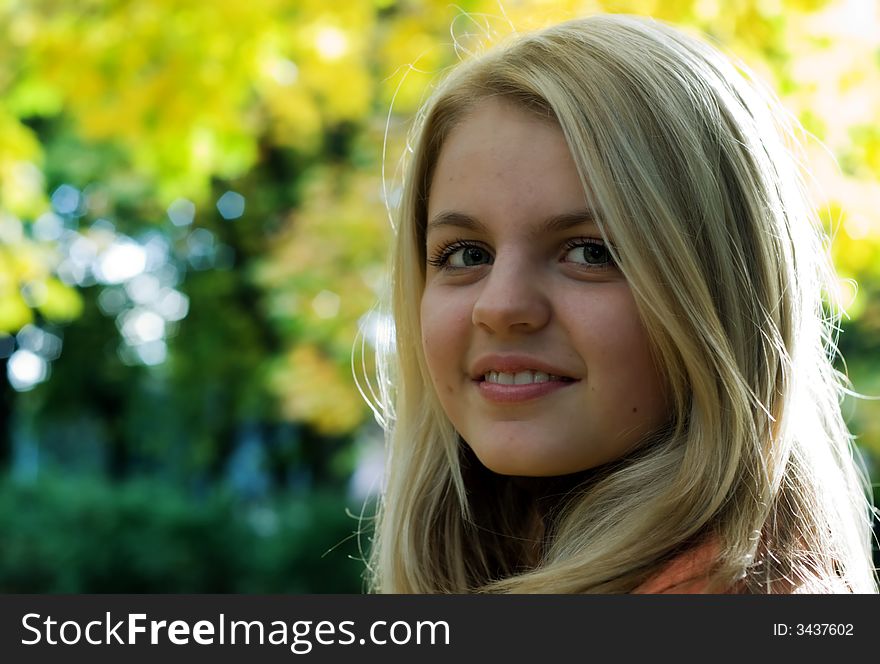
[(687, 574)]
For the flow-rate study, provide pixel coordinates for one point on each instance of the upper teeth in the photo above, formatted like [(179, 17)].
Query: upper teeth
[(519, 378)]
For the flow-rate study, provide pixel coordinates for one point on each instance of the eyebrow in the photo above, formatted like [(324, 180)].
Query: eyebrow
[(553, 224)]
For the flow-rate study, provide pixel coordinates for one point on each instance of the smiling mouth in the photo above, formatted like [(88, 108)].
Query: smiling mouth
[(522, 378)]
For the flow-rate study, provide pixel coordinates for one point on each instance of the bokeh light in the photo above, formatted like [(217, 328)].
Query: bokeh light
[(326, 304), (66, 200), (182, 212), (332, 43), (48, 227), (231, 205), (26, 369), (121, 261)]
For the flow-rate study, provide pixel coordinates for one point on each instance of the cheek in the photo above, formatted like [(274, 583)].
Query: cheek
[(444, 321), (618, 355)]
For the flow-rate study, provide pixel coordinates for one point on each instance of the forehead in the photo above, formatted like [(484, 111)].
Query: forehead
[(504, 162)]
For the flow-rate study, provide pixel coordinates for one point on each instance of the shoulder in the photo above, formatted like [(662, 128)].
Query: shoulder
[(691, 573), (688, 573)]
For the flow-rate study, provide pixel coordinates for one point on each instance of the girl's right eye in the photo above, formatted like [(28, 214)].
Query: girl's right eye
[(459, 255)]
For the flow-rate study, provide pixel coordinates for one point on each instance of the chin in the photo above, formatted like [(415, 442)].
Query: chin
[(513, 466)]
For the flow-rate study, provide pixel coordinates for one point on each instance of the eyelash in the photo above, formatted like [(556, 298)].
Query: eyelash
[(442, 254), (440, 257)]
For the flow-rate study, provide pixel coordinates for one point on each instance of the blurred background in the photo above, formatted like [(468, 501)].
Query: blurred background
[(193, 234)]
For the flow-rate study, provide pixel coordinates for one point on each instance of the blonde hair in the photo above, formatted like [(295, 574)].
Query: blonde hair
[(689, 167)]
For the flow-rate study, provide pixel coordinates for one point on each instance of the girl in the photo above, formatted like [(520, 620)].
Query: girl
[(611, 369)]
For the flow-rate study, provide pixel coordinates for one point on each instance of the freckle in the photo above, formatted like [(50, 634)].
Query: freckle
[(449, 389), (635, 410)]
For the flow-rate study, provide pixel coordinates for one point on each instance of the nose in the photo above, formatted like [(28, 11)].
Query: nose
[(512, 299)]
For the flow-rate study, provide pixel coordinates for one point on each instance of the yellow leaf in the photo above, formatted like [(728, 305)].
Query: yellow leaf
[(312, 389), (61, 303), (14, 312)]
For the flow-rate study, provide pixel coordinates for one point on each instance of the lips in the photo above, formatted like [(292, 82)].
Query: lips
[(512, 393), (510, 379)]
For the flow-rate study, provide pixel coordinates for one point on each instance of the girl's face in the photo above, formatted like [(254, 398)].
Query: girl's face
[(531, 334)]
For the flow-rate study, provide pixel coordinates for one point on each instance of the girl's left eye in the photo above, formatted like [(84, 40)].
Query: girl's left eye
[(590, 253)]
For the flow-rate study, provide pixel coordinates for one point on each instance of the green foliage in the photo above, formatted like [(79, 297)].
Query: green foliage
[(146, 103), (79, 535)]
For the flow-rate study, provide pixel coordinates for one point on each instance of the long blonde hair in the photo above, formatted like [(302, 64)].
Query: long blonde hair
[(690, 167)]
